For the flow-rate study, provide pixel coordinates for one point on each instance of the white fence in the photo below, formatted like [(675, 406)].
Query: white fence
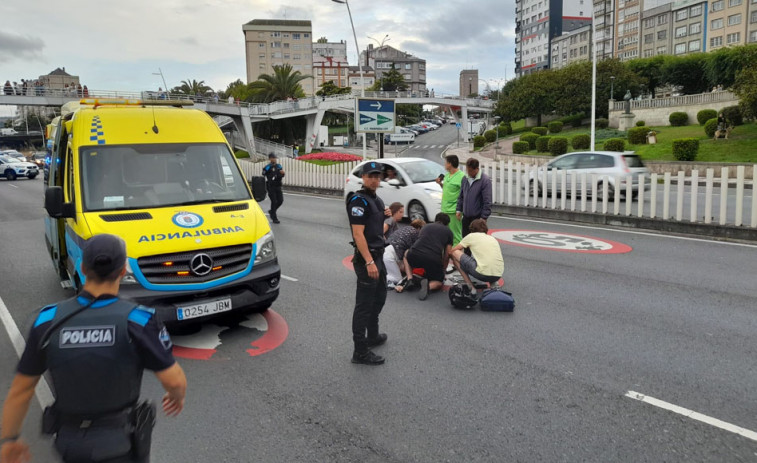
[(708, 197), (674, 101)]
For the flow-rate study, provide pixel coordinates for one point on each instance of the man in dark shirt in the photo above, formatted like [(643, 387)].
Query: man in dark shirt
[(273, 173), (475, 200), (431, 253), (96, 366)]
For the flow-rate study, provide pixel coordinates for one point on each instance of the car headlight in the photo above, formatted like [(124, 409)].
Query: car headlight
[(129, 278), (266, 249), (435, 194)]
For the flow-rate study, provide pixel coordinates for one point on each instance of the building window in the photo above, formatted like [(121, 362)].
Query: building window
[(661, 50), (286, 55), (662, 19), (718, 5), (716, 42), (681, 15), (276, 55), (734, 3), (681, 31), (275, 44), (286, 44), (261, 66), (753, 36), (286, 35), (649, 22), (695, 28), (276, 34), (648, 53), (694, 45), (306, 35), (296, 47), (297, 57), (695, 10), (662, 35), (716, 24), (295, 35), (733, 38), (408, 66), (261, 56), (753, 18), (734, 19), (649, 38), (680, 48), (261, 45)]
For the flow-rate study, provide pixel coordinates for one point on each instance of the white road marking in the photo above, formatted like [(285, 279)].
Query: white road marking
[(44, 394), (303, 195), (693, 415), (14, 186), (289, 278)]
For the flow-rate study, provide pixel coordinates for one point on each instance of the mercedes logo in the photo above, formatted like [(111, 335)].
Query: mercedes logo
[(201, 264)]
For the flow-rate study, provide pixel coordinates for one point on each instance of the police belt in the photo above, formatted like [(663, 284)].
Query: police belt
[(118, 419)]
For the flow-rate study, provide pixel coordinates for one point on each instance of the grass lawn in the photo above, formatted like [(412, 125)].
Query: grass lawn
[(741, 146), (339, 130)]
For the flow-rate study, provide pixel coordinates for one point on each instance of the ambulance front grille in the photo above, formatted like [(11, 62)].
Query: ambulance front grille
[(190, 266)]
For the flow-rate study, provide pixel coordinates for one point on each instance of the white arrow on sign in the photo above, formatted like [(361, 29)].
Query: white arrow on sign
[(377, 105)]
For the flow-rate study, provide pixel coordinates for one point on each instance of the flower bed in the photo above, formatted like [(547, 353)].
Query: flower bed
[(330, 156)]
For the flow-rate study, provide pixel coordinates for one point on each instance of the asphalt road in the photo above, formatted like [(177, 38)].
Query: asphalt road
[(428, 145), (673, 318)]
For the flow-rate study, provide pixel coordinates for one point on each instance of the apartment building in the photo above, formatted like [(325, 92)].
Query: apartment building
[(731, 22), (688, 27), (656, 31), (330, 63), (627, 29), (353, 74), (571, 47), (412, 68), (604, 17), (752, 27), (275, 42), (468, 82)]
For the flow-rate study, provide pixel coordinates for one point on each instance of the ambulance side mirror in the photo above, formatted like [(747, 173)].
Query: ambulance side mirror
[(258, 188), (55, 206)]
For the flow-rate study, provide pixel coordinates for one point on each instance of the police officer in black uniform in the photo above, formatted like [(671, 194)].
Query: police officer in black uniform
[(273, 173), (95, 347), (366, 212)]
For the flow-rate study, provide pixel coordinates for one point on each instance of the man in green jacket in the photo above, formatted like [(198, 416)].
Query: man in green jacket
[(451, 184)]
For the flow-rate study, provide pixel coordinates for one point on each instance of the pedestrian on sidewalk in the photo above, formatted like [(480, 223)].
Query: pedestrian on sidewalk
[(475, 200), (451, 183), (273, 173)]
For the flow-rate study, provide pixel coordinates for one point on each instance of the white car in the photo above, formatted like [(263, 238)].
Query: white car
[(415, 186), (11, 168), (14, 154)]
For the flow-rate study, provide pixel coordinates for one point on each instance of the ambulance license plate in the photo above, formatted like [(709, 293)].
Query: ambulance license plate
[(203, 309)]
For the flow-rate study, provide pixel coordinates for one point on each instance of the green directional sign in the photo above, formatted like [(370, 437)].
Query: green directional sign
[(375, 115), (383, 120)]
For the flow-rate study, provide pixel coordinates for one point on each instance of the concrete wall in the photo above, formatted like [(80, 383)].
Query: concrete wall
[(657, 111)]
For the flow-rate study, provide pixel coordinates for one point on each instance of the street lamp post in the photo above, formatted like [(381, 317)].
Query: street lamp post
[(612, 88), (496, 127), (381, 45), (470, 86), (360, 67), (160, 73)]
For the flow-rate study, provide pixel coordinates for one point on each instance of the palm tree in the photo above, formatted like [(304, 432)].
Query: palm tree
[(281, 85), (192, 87)]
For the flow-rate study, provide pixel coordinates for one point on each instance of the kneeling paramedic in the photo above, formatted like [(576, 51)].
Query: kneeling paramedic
[(96, 347)]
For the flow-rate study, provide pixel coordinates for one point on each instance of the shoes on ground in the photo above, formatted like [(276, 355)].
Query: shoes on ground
[(450, 269), (367, 358), (424, 290), (377, 341), (275, 221)]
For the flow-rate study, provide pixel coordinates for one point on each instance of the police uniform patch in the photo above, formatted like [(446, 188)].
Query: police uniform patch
[(358, 211), (87, 336), (165, 339)]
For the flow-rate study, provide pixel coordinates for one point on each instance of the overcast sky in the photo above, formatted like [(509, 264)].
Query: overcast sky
[(119, 45)]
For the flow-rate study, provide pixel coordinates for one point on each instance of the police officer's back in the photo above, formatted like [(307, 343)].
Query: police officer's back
[(274, 173), (96, 347)]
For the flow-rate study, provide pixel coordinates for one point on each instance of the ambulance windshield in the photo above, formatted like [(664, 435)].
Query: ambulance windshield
[(145, 176)]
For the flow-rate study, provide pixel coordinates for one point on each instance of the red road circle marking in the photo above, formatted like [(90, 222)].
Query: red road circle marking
[(563, 242), (347, 262), (273, 337)]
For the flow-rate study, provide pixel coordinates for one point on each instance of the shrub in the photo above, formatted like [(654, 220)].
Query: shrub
[(678, 119), (558, 146), (490, 135), (479, 141), (615, 144), (502, 131), (601, 123), (242, 154), (520, 147), (640, 123), (507, 126), (542, 144), (685, 149), (574, 120), (580, 142), (638, 135), (530, 138), (555, 127), (539, 130), (732, 115), (711, 126), (705, 115)]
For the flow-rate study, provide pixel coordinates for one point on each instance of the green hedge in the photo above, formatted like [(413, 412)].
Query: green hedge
[(530, 138), (555, 127), (601, 123), (733, 115), (504, 130), (520, 147), (638, 135), (705, 115), (540, 130), (580, 142), (542, 144), (615, 144), (558, 146), (640, 123), (490, 135), (241, 154), (479, 141), (574, 120), (711, 126), (685, 149), (678, 119)]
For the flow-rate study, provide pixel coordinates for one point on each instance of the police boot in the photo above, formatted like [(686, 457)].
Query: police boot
[(367, 358), (373, 341)]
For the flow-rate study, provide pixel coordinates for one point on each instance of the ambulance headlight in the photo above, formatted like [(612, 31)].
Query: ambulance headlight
[(128, 279), (266, 249)]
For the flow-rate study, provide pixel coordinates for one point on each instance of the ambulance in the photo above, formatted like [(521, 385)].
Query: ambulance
[(162, 177)]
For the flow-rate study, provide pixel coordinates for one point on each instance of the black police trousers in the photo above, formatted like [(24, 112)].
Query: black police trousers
[(370, 297), (277, 199), (100, 444)]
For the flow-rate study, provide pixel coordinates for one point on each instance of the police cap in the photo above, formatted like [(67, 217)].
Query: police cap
[(104, 254), (370, 168)]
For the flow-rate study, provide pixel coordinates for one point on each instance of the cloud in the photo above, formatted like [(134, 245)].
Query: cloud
[(14, 46)]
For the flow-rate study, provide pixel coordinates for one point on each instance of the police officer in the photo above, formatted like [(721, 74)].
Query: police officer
[(273, 173), (95, 347), (366, 212)]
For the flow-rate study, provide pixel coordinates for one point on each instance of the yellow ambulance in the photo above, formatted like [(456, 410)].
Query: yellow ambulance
[(163, 178)]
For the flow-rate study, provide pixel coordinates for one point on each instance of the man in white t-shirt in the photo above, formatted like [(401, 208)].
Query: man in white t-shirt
[(486, 263)]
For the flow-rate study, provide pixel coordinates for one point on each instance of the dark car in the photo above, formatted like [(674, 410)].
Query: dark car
[(38, 158)]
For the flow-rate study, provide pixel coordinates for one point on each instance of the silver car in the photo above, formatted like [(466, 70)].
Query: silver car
[(605, 164)]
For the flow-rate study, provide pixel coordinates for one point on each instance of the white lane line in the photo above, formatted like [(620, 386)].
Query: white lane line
[(14, 186), (44, 394), (289, 278), (303, 195), (693, 415)]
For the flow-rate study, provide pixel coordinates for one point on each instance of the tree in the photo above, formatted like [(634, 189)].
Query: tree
[(390, 81), (722, 65), (191, 87), (649, 70), (745, 85), (330, 88), (237, 89), (283, 84), (687, 73)]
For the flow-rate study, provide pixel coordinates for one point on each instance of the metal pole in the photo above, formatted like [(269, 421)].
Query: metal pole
[(360, 66), (593, 81)]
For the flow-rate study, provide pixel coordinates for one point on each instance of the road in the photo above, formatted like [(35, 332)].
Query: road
[(674, 319), (428, 145)]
